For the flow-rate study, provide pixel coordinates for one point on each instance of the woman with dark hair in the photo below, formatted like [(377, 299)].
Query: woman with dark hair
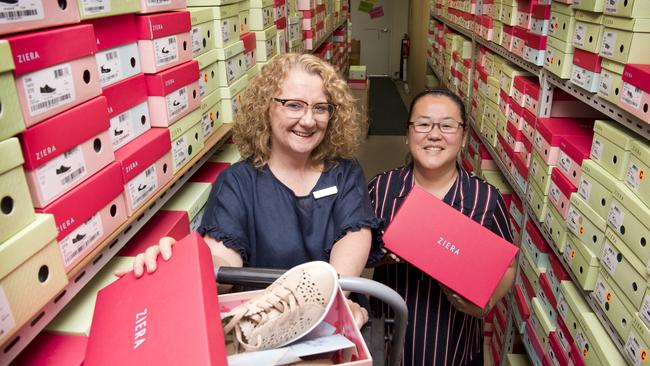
[(443, 328)]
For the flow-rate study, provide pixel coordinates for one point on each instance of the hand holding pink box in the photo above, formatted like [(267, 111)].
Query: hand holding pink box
[(29, 15), (88, 214), (66, 149), (173, 93), (128, 110), (55, 70), (146, 166), (164, 40), (174, 224)]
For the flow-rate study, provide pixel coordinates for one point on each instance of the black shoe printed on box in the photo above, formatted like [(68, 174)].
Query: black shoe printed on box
[(165, 50), (118, 132), (11, 2), (104, 70), (46, 89), (62, 169), (78, 238), (141, 187), (176, 104)]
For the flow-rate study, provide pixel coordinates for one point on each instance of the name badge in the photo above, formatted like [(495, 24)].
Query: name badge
[(325, 192)]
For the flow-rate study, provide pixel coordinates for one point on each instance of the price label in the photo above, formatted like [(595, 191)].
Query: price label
[(611, 6), (580, 34), (140, 187), (197, 40), (177, 102), (634, 176), (121, 129), (635, 350), (616, 216), (166, 50), (609, 258), (181, 151), (82, 238), (645, 310), (565, 163), (581, 342), (7, 320), (602, 294), (632, 95), (554, 193), (20, 11), (605, 85), (158, 2), (61, 173), (49, 88), (609, 42), (597, 148), (563, 307), (225, 31), (92, 7)]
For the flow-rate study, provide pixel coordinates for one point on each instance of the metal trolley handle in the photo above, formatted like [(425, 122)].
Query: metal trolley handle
[(262, 277)]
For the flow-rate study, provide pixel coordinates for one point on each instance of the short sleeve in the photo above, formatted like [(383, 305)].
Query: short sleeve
[(500, 222), (225, 217), (353, 211)]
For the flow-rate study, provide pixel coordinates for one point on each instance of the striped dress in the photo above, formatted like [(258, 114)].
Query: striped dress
[(437, 333)]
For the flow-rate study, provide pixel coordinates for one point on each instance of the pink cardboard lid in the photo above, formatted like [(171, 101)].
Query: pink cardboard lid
[(308, 34), (78, 205), (542, 11), (516, 134), (577, 148), (174, 224), (575, 356), (249, 41), (38, 50), (56, 135), (532, 88), (54, 350), (139, 154), (507, 29), (535, 41), (537, 346), (563, 329), (524, 311), (209, 172), (114, 31), (528, 144), (277, 3), (125, 94), (562, 182), (519, 32), (526, 6), (546, 287), (504, 96), (308, 14), (637, 75), (587, 60), (167, 81), (152, 26), (520, 164), (508, 149), (552, 129), (558, 270), (468, 63), (467, 165), (482, 73), (528, 287), (281, 23), (515, 107), (537, 237), (484, 153), (558, 351), (521, 81)]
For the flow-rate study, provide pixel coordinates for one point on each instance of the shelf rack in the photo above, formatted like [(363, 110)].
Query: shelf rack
[(327, 36), (99, 257)]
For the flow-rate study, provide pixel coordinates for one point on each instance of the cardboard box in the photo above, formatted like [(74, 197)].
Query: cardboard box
[(128, 110), (250, 50), (583, 222), (638, 166), (261, 17), (201, 33), (173, 93), (209, 172), (231, 64), (38, 15), (541, 16), (595, 6), (628, 9), (266, 47), (560, 191), (192, 200), (225, 24), (625, 269), (595, 187), (230, 99), (562, 25), (534, 49), (624, 40), (164, 40), (49, 81), (629, 219), (573, 150), (173, 224), (588, 34), (181, 315), (635, 97), (17, 210), (156, 6), (611, 81), (187, 139), (66, 149), (211, 115), (611, 147), (550, 131), (11, 118), (209, 72), (558, 62)]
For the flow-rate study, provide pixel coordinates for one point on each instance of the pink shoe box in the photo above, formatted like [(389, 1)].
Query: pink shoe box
[(520, 173), (155, 6), (556, 354), (519, 36), (515, 115), (635, 97), (522, 309), (66, 149), (533, 344), (508, 37), (164, 40), (487, 28), (308, 20), (128, 110), (515, 138), (174, 224), (117, 54), (173, 93), (485, 160), (134, 319), (516, 232), (146, 166), (586, 70), (50, 79), (504, 102), (519, 83), (560, 192), (54, 350), (525, 13), (541, 19), (527, 151), (532, 95), (536, 245), (209, 172), (535, 48), (279, 9), (564, 337), (527, 288), (573, 151), (24, 16), (530, 125), (88, 213), (488, 8), (550, 131), (550, 301), (555, 274)]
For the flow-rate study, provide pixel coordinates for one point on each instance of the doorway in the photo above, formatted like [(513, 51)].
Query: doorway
[(375, 31)]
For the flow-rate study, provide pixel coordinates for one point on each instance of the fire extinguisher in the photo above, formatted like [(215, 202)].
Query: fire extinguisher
[(404, 55)]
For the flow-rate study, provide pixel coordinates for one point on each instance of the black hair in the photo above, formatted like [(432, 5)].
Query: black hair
[(440, 93)]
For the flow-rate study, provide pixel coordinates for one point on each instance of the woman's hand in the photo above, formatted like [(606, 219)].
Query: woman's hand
[(464, 305), (359, 313), (148, 258)]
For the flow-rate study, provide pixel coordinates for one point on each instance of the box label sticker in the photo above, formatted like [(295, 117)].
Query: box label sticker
[(270, 48), (225, 31), (196, 221), (266, 16), (563, 307), (581, 77), (197, 40), (565, 163), (121, 129), (92, 7), (548, 221), (177, 102), (207, 123), (645, 309), (21, 11), (80, 239), (231, 70), (554, 193), (609, 42), (538, 140), (605, 85), (235, 106), (249, 59), (615, 216), (49, 88), (580, 34), (203, 83), (181, 151), (158, 2), (554, 25), (539, 26), (635, 351), (611, 6), (7, 320), (583, 345), (574, 221), (166, 50), (631, 95), (609, 258), (597, 148), (61, 173), (142, 185), (109, 66), (602, 293), (634, 176)]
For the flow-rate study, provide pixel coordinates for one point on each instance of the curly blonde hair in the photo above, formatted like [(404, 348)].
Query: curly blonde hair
[(252, 129)]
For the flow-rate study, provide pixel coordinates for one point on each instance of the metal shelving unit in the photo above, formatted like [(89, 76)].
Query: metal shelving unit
[(100, 256)]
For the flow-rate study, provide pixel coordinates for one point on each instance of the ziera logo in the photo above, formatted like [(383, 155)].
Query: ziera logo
[(449, 246), (140, 328)]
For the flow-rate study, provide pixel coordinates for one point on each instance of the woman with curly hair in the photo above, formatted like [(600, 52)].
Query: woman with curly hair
[(298, 195)]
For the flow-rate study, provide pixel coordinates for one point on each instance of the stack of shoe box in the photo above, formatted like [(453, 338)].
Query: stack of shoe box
[(262, 24), (280, 20), (587, 40), (559, 47)]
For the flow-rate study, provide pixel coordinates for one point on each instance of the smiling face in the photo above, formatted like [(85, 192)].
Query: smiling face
[(297, 137), (435, 151)]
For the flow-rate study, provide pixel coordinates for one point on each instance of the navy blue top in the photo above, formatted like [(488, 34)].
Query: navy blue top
[(250, 210)]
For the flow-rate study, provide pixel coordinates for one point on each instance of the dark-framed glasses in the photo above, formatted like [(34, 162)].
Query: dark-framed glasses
[(447, 126), (295, 108)]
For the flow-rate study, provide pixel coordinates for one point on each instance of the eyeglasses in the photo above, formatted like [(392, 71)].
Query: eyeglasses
[(297, 109), (449, 127)]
